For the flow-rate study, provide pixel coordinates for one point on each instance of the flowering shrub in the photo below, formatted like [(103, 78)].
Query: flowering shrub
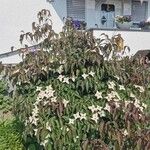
[(123, 19), (76, 93), (109, 116)]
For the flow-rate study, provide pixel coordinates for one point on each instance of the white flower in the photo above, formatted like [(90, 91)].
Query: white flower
[(109, 97), (107, 107), (99, 108), (26, 122), (44, 68), (144, 105), (92, 108), (92, 73), (98, 95), (60, 69), (71, 121), (77, 115), (35, 131), (38, 88), (45, 103), (35, 111), (44, 142), (132, 95), (49, 93), (102, 113), (33, 120), (117, 77), (140, 88), (95, 117), (82, 116), (48, 127), (125, 133), (54, 99), (30, 119), (117, 105), (65, 102), (66, 80), (136, 102), (77, 137), (121, 87), (111, 85), (67, 129), (60, 78), (49, 88), (113, 95), (41, 95), (85, 76), (73, 78), (127, 103), (141, 108)]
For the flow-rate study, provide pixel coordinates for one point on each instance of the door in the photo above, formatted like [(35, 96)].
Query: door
[(139, 11), (107, 16)]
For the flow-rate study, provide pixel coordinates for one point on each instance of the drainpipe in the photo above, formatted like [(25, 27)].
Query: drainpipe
[(122, 6)]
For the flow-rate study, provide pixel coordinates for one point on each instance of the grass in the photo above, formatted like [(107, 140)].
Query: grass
[(10, 135)]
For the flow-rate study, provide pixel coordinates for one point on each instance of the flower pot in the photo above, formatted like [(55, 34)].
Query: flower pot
[(146, 27), (124, 25)]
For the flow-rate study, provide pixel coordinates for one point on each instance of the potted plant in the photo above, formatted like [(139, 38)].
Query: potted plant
[(145, 24), (79, 25), (123, 22)]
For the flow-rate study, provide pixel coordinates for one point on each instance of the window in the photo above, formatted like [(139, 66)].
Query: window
[(139, 11), (107, 7), (76, 9)]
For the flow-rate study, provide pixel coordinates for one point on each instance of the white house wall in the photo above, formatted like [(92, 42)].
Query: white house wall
[(136, 40), (17, 15), (90, 13), (148, 8)]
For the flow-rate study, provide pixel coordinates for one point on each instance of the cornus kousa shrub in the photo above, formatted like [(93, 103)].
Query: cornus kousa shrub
[(70, 94), (111, 117)]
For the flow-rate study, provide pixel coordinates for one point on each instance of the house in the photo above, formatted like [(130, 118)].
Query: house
[(101, 13), (99, 16)]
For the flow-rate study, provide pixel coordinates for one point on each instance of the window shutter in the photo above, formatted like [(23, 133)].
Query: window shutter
[(76, 9), (139, 12)]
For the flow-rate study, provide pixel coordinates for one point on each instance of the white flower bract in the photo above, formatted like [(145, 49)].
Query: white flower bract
[(71, 121), (66, 80), (121, 87), (95, 117), (98, 95), (77, 115), (82, 116), (107, 107), (85, 76), (111, 85), (65, 102), (92, 73), (60, 78)]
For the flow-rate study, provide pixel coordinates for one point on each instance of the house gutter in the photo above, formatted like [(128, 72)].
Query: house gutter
[(19, 51)]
